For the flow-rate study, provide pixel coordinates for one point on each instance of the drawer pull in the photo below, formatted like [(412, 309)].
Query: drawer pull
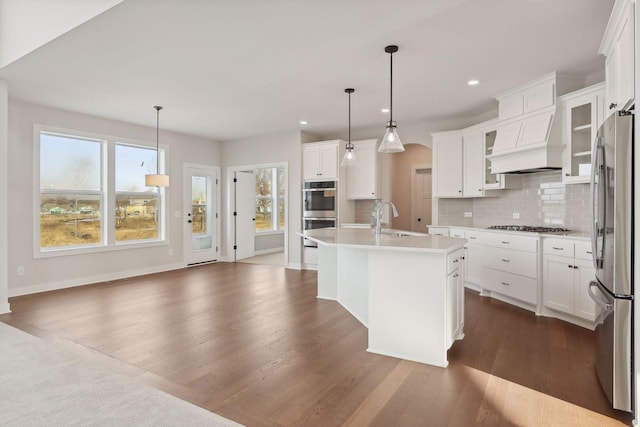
[(505, 260), (456, 275), (505, 283), (472, 238), (590, 253), (505, 242), (571, 266), (575, 267), (558, 249)]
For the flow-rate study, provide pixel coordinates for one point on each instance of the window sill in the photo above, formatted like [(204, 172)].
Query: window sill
[(50, 253)]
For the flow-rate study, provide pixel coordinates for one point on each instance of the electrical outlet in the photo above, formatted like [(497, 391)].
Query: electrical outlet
[(20, 270), (516, 215), (170, 251), (468, 214)]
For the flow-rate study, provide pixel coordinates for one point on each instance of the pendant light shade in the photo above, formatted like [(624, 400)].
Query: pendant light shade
[(157, 179), (349, 158), (391, 141)]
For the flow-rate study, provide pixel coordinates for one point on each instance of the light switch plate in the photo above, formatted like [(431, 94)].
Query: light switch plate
[(468, 214), (516, 215)]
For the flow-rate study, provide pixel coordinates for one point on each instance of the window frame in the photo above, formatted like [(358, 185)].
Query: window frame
[(108, 195), (275, 203)]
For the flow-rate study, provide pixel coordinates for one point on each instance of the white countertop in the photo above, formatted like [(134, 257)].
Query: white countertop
[(571, 235), (366, 238)]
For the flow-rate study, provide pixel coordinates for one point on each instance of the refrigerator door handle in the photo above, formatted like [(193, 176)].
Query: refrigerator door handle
[(594, 214), (606, 305)]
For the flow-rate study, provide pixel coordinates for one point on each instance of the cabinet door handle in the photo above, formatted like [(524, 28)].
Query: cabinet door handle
[(571, 266), (456, 275), (575, 267), (506, 243), (472, 238), (462, 258), (590, 253), (558, 249), (459, 191), (455, 260), (612, 105), (504, 260), (505, 283)]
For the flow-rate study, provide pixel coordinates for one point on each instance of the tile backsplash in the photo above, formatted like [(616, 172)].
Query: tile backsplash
[(543, 200)]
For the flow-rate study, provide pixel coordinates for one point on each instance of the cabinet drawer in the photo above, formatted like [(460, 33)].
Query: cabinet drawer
[(454, 261), (584, 250), (456, 232), (516, 262), (476, 237), (438, 231), (518, 287), (510, 241), (559, 247)]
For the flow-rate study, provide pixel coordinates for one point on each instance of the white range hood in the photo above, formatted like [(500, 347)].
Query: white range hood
[(530, 143)]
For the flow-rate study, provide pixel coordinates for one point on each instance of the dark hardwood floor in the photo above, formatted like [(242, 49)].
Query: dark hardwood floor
[(252, 343)]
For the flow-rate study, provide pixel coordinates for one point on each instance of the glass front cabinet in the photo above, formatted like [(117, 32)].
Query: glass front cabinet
[(583, 112)]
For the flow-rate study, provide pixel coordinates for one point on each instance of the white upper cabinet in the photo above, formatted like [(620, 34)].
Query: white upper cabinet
[(458, 163), (472, 164), (495, 181), (583, 112), (447, 164), (618, 47), (362, 178), (525, 99), (320, 160)]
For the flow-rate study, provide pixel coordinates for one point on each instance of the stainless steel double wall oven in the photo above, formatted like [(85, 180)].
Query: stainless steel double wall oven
[(319, 206)]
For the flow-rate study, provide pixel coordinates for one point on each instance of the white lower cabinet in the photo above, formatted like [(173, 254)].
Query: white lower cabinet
[(504, 264), (568, 269), (455, 296)]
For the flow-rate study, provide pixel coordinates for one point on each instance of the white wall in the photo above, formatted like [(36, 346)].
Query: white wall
[(4, 187), (63, 271), (283, 147), (26, 25)]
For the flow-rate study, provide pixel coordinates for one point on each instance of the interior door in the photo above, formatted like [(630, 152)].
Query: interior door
[(201, 217), (421, 199), (244, 214)]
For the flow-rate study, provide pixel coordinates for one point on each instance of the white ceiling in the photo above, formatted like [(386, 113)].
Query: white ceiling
[(228, 69)]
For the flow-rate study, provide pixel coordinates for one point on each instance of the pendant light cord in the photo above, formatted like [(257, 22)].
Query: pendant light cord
[(349, 119), (391, 89), (158, 108)]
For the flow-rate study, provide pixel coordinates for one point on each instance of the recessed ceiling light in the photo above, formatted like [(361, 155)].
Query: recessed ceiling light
[(304, 122), (473, 82), (385, 110)]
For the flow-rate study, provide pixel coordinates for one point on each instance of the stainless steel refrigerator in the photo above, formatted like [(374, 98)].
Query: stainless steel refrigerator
[(612, 239)]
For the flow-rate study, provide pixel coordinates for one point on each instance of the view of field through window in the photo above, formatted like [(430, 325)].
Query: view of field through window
[(270, 186), (71, 192)]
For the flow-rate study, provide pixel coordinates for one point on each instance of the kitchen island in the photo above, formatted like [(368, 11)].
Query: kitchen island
[(406, 288)]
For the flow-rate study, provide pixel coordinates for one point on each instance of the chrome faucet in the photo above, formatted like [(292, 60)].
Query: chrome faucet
[(379, 214)]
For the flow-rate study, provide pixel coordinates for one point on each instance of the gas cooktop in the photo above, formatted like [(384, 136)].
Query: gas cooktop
[(530, 228)]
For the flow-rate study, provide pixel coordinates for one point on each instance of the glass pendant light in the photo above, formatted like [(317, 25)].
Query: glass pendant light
[(157, 179), (391, 141), (349, 158)]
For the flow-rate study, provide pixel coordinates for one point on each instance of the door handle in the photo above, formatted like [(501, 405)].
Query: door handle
[(189, 221), (419, 219), (607, 306)]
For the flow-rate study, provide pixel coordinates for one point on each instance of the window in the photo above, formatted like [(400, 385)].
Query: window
[(70, 191), (270, 186), (81, 208), (136, 205)]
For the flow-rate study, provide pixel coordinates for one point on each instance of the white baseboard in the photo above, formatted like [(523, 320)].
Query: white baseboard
[(89, 280), (5, 308), (269, 251)]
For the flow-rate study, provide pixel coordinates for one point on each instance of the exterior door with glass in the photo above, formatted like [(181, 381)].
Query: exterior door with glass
[(201, 214)]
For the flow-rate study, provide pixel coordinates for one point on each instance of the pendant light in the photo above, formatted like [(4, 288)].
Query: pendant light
[(391, 141), (349, 158), (157, 179)]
